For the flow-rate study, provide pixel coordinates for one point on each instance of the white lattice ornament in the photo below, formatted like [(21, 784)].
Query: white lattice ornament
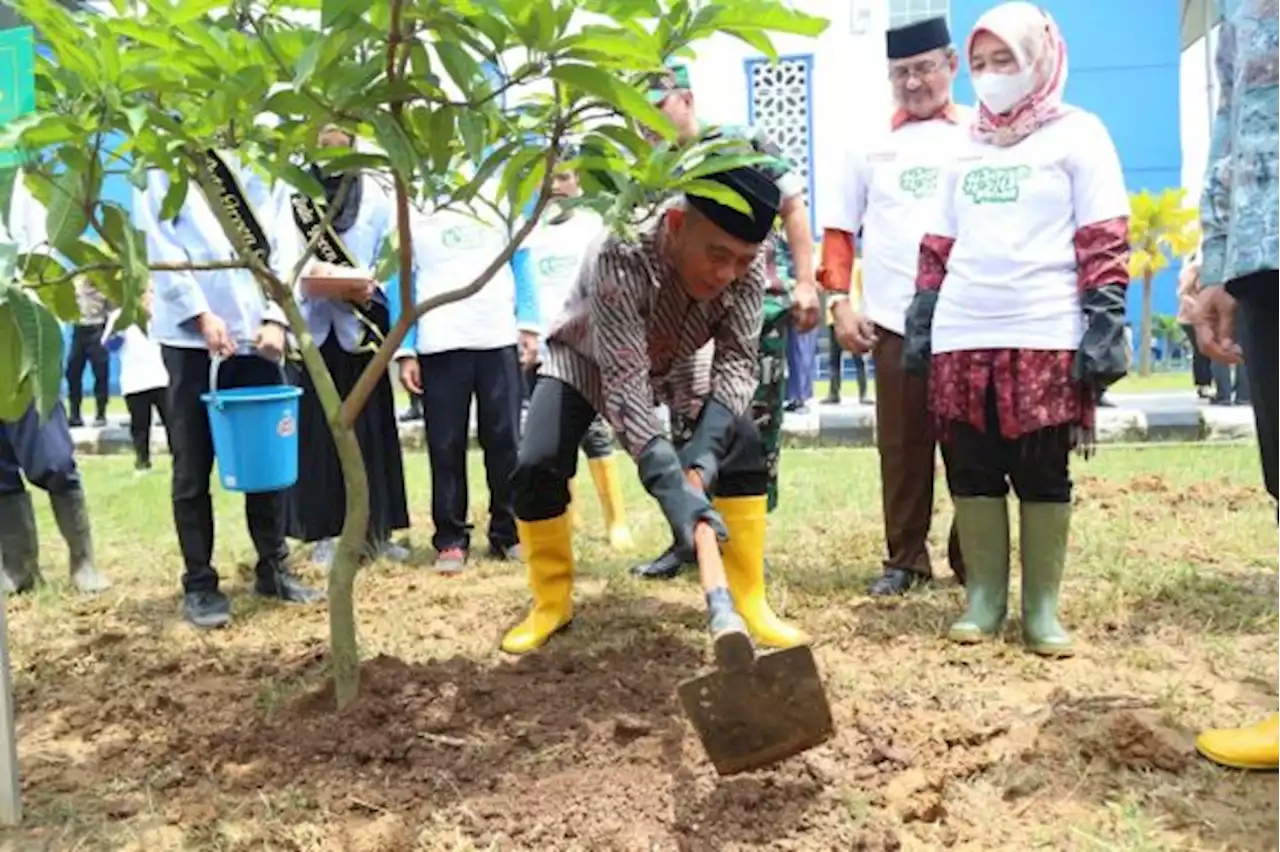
[(780, 108)]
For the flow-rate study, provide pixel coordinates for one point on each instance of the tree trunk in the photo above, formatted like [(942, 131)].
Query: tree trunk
[(1144, 338), (344, 652)]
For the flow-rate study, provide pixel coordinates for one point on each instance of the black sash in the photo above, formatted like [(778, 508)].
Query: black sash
[(231, 198), (331, 249)]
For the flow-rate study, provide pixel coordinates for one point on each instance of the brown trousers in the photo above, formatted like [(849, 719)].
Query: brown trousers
[(905, 438)]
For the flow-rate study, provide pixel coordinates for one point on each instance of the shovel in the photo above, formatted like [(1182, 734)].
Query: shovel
[(752, 712)]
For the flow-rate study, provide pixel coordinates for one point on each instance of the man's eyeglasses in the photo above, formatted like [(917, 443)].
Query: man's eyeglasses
[(919, 70)]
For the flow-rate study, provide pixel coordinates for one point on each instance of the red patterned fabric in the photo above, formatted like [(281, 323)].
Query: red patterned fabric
[(932, 266), (1033, 390), (1102, 253)]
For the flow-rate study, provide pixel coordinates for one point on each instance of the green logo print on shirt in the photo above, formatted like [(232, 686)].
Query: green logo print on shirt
[(556, 265), (919, 182), (995, 185), (463, 237)]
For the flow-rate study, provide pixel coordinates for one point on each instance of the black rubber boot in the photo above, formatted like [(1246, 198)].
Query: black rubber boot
[(666, 567), (19, 543), (72, 515)]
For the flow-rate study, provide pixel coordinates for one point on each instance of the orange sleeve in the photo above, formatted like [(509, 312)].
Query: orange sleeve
[(835, 270)]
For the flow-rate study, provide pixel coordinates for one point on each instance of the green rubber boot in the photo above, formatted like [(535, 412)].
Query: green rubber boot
[(1044, 555), (983, 527), (19, 543)]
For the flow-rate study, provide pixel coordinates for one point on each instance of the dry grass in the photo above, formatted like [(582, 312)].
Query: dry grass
[(139, 733)]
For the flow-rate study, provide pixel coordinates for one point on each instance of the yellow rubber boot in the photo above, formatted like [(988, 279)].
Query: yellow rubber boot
[(547, 547), (1254, 747), (574, 514), (745, 519), (604, 471)]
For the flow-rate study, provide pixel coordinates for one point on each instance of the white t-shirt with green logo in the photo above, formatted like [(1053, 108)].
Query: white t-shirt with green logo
[(889, 190), (554, 257), (451, 248), (1014, 212)]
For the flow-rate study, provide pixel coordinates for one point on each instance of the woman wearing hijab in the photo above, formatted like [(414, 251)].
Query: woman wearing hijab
[(347, 313), (1019, 315)]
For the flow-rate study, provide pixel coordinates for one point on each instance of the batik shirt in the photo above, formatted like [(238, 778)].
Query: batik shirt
[(629, 332), (1240, 207)]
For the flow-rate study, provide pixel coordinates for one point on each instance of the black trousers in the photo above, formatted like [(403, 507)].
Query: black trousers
[(449, 381), (559, 418), (1257, 331), (86, 346), (1201, 368), (984, 463), (140, 405), (191, 445)]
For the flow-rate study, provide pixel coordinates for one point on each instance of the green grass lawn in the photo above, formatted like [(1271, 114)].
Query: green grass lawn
[(138, 733)]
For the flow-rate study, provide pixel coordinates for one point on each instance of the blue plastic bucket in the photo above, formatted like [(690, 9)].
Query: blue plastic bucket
[(255, 434)]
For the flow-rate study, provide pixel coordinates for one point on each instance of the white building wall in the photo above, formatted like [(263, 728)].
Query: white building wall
[(1198, 87)]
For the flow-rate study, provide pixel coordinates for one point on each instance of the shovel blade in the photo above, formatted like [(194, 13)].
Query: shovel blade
[(756, 716)]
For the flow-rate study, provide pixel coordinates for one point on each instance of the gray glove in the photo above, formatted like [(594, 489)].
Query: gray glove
[(709, 442), (917, 337), (683, 505)]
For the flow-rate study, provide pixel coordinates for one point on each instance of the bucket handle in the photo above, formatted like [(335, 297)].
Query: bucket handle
[(243, 347)]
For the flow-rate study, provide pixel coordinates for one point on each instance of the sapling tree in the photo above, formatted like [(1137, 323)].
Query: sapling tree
[(157, 85)]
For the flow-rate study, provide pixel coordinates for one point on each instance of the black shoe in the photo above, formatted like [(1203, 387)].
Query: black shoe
[(410, 414), (896, 581), (504, 552), (75, 421), (100, 422), (832, 399), (666, 567), (207, 609), (142, 465), (279, 584)]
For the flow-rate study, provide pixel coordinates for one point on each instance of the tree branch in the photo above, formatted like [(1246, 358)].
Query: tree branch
[(377, 366)]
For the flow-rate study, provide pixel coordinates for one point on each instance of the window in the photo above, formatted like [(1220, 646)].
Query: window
[(903, 12), (778, 103)]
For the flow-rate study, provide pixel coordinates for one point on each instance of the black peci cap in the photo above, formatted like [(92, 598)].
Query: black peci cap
[(915, 39), (761, 195)]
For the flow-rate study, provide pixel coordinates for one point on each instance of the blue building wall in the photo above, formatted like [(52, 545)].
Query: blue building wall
[(1123, 59)]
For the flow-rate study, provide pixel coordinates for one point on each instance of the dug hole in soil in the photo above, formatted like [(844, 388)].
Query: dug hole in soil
[(562, 751)]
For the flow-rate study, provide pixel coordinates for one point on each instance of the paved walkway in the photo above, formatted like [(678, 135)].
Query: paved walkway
[(1134, 418)]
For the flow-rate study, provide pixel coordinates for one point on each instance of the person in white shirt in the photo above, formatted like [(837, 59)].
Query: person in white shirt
[(546, 268), (222, 313), (347, 312), (465, 350), (889, 187), (1019, 315), (144, 382)]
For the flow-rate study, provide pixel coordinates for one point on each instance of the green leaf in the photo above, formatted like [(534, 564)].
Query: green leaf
[(15, 397), (396, 143), (627, 100), (66, 217), (336, 12), (60, 298), (42, 350), (461, 67), (175, 196), (718, 192)]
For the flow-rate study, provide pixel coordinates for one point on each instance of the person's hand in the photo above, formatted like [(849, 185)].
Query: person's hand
[(1215, 323), (805, 307), (528, 350), (217, 337), (270, 342), (411, 375), (854, 332), (149, 301), (683, 503)]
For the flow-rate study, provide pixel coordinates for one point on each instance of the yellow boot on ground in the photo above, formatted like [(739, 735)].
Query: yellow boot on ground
[(604, 471), (547, 548), (1254, 747), (745, 518), (574, 514)]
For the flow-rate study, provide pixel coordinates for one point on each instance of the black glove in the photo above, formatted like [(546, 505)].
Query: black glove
[(682, 504), (1103, 356), (917, 337), (709, 442)]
